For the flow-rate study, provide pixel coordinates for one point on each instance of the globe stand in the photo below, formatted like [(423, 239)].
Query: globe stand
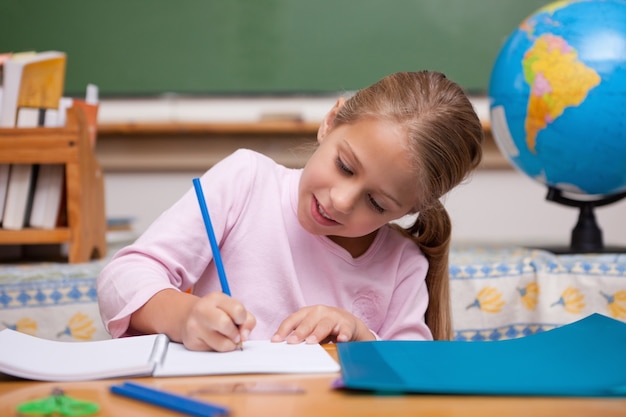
[(586, 235)]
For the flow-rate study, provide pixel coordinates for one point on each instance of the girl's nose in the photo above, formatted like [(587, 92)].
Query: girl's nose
[(343, 197)]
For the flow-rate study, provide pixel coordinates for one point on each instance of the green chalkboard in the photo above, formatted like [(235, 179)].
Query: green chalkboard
[(150, 47)]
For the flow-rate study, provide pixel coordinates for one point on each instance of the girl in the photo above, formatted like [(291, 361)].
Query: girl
[(310, 253)]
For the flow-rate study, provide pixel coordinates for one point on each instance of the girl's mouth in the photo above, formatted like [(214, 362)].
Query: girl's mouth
[(320, 215), (321, 211)]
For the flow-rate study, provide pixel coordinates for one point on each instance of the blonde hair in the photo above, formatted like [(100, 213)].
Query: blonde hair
[(445, 145)]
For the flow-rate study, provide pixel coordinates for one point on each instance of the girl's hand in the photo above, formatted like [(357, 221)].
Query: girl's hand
[(318, 324), (216, 322)]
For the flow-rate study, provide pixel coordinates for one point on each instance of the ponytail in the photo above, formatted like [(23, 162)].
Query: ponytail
[(432, 233)]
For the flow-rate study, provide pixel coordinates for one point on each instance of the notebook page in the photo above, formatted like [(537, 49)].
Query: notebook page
[(30, 357), (256, 357)]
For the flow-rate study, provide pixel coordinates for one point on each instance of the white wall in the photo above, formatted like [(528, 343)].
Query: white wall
[(143, 196), (508, 207), (498, 207)]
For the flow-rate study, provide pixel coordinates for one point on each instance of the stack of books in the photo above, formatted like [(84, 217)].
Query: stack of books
[(31, 96)]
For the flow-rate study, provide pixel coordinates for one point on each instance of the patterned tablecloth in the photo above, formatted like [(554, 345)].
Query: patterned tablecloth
[(52, 300), (497, 293), (504, 293)]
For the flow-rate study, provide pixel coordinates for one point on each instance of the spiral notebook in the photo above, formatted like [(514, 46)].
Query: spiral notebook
[(30, 357)]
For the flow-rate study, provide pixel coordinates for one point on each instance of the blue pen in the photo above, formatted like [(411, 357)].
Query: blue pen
[(175, 402), (209, 229), (214, 246)]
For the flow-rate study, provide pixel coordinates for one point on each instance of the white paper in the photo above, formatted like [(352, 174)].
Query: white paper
[(257, 357), (40, 359)]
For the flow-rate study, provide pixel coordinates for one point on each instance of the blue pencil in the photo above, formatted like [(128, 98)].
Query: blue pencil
[(175, 402), (209, 229)]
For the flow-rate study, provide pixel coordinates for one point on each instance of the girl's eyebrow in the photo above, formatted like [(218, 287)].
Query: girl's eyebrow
[(389, 196), (357, 162)]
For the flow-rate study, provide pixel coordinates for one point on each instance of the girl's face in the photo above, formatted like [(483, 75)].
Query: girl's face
[(357, 180)]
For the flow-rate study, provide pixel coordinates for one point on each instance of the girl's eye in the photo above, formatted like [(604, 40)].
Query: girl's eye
[(343, 167), (375, 204)]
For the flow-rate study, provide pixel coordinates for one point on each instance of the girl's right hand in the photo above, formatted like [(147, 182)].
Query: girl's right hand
[(216, 322)]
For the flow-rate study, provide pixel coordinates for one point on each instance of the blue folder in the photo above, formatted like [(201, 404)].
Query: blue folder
[(585, 359)]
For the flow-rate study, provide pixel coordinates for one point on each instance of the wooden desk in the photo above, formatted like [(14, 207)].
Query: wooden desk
[(317, 399)]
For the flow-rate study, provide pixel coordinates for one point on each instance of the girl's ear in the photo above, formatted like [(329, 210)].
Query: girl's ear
[(329, 119)]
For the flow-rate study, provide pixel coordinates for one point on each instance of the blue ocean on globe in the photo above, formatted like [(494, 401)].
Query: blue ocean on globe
[(558, 96)]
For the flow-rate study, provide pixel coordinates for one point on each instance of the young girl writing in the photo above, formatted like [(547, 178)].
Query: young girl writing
[(310, 253)]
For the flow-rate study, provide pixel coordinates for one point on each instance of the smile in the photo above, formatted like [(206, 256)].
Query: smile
[(320, 215), (321, 211)]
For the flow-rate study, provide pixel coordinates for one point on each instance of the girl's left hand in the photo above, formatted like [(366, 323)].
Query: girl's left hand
[(320, 324)]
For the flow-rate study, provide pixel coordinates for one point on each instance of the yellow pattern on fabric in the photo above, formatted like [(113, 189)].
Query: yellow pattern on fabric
[(80, 326), (572, 299), (529, 295), (616, 304), (26, 325), (489, 300)]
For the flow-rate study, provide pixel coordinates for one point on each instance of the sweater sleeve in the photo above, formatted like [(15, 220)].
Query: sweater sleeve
[(174, 251)]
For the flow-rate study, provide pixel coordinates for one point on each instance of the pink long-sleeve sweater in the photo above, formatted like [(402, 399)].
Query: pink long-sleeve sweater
[(273, 265)]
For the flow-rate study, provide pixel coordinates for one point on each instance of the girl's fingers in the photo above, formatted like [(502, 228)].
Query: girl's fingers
[(287, 326), (247, 326), (310, 324), (327, 330), (216, 323)]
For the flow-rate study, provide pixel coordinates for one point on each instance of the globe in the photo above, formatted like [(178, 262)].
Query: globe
[(558, 97)]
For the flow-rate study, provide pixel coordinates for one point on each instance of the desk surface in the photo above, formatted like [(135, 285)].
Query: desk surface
[(303, 395)]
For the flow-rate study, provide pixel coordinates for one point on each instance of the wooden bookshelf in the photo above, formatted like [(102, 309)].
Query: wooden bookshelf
[(84, 185)]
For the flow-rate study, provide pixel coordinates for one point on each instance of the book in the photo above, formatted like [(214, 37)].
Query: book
[(34, 358), (4, 185), (20, 186), (3, 57), (19, 196), (50, 179), (47, 196), (32, 83), (4, 168), (120, 230), (583, 359), (31, 79)]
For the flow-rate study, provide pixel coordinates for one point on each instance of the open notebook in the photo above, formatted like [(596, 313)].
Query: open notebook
[(35, 358)]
